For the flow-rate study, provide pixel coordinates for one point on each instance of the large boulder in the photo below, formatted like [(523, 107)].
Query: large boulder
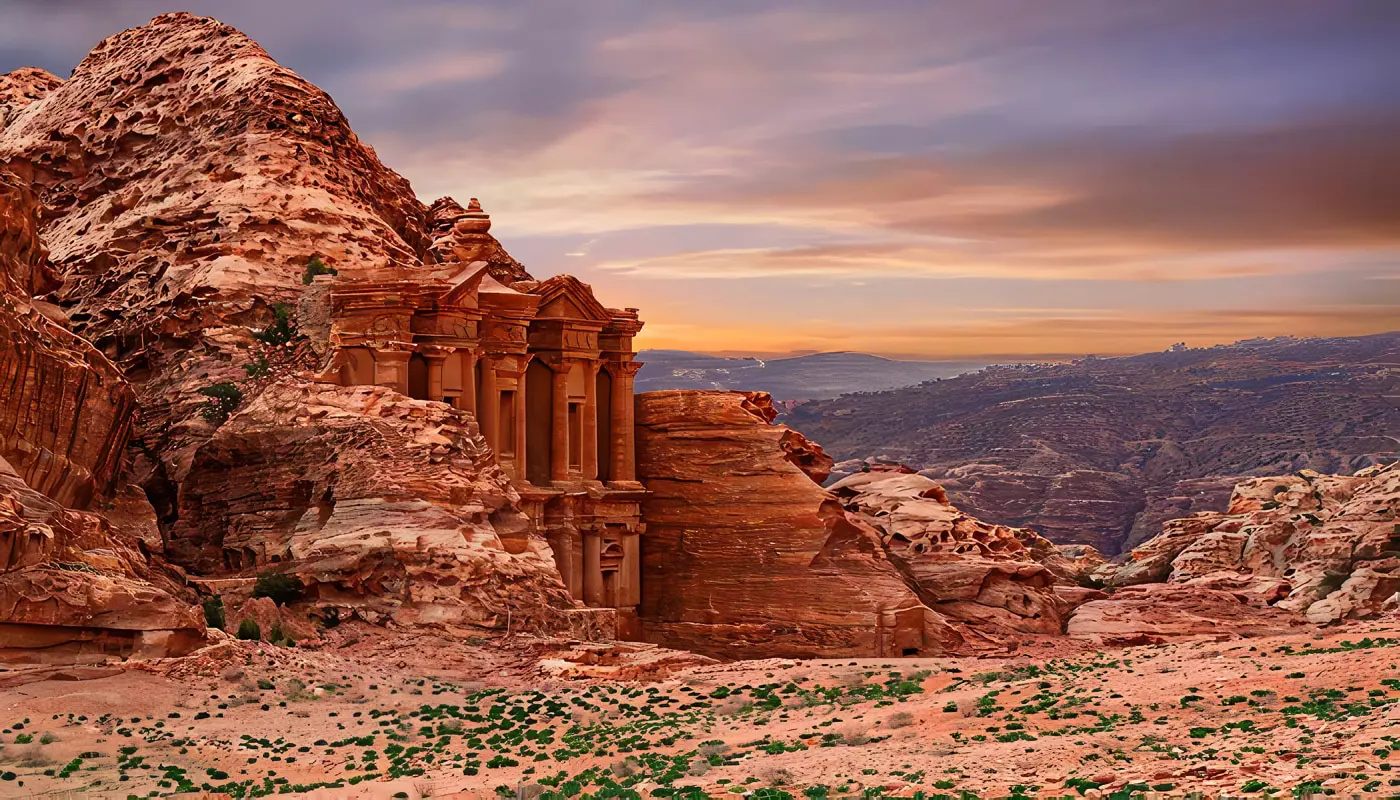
[(982, 574), (382, 507)]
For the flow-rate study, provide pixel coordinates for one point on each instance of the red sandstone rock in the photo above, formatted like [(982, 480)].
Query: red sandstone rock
[(1157, 612), (72, 586), (747, 557), (20, 88), (463, 235), (964, 568), (1325, 546), (386, 508), (188, 180)]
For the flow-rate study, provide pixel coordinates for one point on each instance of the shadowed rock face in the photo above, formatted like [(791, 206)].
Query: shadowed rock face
[(1102, 451), (73, 585), (66, 412), (1324, 546)]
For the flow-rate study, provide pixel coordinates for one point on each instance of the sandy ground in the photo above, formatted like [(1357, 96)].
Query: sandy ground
[(428, 716)]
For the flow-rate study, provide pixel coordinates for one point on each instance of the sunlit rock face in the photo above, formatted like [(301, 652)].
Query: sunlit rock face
[(746, 556), (1326, 547)]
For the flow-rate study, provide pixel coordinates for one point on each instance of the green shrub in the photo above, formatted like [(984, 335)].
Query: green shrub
[(316, 267), (224, 397), (249, 629), (282, 330), (214, 612), (279, 586), (259, 368)]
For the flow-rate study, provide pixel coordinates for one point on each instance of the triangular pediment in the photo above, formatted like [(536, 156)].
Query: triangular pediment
[(565, 296), (464, 285)]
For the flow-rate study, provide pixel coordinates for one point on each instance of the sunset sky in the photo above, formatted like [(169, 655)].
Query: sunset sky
[(982, 178)]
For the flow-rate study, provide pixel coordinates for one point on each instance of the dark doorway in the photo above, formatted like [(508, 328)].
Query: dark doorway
[(418, 377)]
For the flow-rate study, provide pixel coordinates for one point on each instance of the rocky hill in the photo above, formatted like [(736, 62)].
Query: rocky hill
[(188, 182), (1102, 450), (820, 375)]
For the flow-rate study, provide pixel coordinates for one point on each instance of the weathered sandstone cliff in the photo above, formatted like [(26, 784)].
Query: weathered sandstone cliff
[(188, 179), (745, 556), (188, 183), (962, 567), (1323, 546), (73, 585)]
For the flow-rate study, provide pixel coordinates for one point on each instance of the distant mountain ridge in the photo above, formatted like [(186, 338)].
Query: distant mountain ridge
[(807, 377), (1102, 450)]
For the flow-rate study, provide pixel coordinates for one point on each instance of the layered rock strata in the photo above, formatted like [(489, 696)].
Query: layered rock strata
[(745, 556), (74, 586)]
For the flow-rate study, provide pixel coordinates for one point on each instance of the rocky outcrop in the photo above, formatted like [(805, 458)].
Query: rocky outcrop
[(73, 585), (383, 508), (1159, 612), (66, 412), (747, 557), (963, 568), (1324, 546), (20, 88)]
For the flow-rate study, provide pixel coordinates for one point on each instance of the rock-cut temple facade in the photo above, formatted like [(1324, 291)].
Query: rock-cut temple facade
[(546, 369)]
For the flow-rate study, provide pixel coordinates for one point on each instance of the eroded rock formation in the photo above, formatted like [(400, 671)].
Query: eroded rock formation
[(188, 180), (963, 567), (1324, 546), (1158, 612), (746, 557), (385, 508), (73, 585), (464, 235)]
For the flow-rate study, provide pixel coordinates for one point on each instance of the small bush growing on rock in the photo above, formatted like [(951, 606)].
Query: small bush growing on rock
[(316, 267), (214, 612), (224, 397), (258, 368), (249, 629), (282, 330), (279, 586)]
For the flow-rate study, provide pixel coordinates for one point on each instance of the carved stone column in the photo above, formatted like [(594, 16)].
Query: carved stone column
[(589, 428), (490, 401), (559, 447), (391, 369), (624, 451), (521, 443), (468, 399), (435, 374)]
